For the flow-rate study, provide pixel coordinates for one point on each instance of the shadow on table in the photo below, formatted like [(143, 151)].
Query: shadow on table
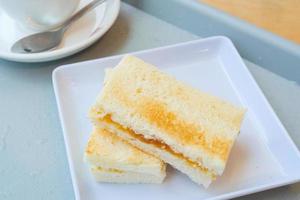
[(109, 44)]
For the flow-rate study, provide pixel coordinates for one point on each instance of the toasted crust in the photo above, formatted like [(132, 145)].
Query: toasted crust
[(108, 151), (200, 126)]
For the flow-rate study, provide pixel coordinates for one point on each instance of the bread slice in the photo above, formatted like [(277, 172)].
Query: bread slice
[(159, 111), (197, 174), (118, 176), (110, 156)]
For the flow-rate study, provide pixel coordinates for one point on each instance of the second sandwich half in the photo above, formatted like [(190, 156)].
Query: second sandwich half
[(113, 160)]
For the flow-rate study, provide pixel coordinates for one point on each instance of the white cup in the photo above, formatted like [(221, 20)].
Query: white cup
[(39, 14)]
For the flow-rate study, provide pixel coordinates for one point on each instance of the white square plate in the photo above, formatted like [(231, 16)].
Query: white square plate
[(263, 156)]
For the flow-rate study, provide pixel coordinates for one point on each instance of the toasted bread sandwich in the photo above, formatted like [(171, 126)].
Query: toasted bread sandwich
[(189, 129), (113, 160)]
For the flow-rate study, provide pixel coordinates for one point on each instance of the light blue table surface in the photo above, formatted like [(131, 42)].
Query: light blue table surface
[(33, 163)]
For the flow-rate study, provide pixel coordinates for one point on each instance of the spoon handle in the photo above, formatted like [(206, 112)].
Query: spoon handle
[(81, 12)]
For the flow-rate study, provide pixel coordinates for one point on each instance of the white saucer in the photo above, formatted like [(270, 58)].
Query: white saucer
[(79, 36)]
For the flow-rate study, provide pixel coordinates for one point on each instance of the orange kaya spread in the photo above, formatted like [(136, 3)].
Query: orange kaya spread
[(159, 144)]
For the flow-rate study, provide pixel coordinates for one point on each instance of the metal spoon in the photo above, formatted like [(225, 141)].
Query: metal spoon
[(47, 40)]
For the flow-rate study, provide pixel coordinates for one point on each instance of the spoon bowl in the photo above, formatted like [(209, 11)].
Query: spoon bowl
[(38, 42)]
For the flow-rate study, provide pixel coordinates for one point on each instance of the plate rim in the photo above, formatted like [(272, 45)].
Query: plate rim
[(64, 52), (254, 84)]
